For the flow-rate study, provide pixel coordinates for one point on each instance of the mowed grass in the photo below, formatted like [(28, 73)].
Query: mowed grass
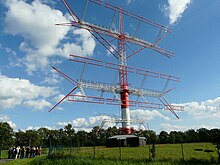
[(165, 154)]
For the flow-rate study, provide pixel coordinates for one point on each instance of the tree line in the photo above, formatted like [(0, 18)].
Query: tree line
[(68, 137)]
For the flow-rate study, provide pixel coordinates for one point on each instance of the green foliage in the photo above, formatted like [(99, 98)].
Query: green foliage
[(4, 154), (6, 134), (163, 137), (28, 138), (215, 139), (191, 136)]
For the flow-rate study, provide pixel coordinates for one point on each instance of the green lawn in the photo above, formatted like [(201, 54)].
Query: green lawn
[(165, 154)]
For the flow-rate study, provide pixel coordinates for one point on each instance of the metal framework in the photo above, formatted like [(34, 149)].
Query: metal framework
[(123, 89)]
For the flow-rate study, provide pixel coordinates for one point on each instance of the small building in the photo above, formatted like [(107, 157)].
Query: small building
[(125, 141)]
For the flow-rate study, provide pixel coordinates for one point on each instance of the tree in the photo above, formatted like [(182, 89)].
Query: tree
[(69, 135), (27, 138), (32, 137), (44, 134), (163, 137), (203, 134), (82, 138), (111, 131), (68, 129), (215, 139), (53, 138), (20, 138), (6, 135), (191, 136), (150, 136), (98, 136), (176, 137), (172, 137)]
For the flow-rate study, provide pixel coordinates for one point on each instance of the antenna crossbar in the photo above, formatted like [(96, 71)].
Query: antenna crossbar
[(126, 68), (135, 16), (116, 34)]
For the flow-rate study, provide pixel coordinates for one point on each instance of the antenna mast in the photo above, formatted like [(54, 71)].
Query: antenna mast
[(123, 89)]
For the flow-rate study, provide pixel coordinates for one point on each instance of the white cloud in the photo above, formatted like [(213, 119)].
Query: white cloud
[(52, 78), (5, 118), (111, 50), (10, 51), (146, 115), (176, 8), (171, 127), (15, 91), (63, 123), (12, 56), (88, 123), (59, 97), (38, 127), (205, 114), (41, 38), (209, 109), (52, 2), (78, 96), (37, 104), (168, 127), (79, 123), (86, 41)]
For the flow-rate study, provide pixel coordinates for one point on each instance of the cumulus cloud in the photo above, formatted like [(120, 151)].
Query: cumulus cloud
[(172, 127), (52, 79), (5, 118), (168, 127), (209, 109), (176, 8), (59, 97), (37, 104), (12, 55), (88, 123), (147, 115), (30, 127), (41, 38), (15, 91)]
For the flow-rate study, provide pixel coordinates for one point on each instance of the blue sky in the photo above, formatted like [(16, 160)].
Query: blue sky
[(30, 44)]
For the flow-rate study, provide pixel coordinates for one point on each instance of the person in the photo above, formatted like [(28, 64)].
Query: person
[(18, 152), (10, 151), (34, 151), (39, 150), (22, 152), (31, 152), (14, 152), (27, 151)]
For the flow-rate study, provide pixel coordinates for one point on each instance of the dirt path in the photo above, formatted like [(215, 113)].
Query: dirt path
[(4, 160)]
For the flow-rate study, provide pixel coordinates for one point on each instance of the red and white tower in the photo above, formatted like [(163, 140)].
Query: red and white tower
[(123, 88), (123, 76)]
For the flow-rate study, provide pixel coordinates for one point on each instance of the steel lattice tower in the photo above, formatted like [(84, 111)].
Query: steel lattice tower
[(123, 89)]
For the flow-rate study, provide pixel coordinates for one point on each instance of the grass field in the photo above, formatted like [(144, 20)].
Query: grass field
[(165, 154)]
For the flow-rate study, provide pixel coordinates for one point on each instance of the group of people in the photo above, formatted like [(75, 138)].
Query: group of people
[(24, 152)]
